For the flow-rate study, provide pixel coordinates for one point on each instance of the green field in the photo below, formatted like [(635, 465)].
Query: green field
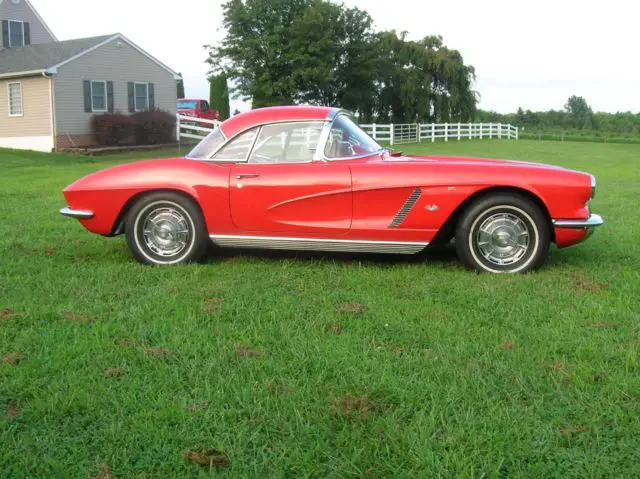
[(317, 365)]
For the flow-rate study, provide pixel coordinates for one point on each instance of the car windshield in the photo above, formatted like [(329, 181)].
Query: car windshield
[(187, 105), (208, 146), (347, 140)]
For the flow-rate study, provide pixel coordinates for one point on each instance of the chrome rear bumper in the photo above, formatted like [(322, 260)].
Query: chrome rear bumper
[(78, 214), (591, 222)]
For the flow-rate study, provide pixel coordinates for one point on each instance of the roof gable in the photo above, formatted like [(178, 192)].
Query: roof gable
[(44, 24), (47, 57)]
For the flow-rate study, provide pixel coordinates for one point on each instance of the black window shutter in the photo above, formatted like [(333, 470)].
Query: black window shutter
[(27, 33), (132, 99), (5, 33), (87, 96), (152, 97), (110, 96)]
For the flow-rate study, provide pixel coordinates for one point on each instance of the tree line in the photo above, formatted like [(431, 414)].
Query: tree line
[(280, 52), (576, 115)]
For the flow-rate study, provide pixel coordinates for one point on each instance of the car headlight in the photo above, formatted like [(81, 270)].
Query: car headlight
[(593, 186)]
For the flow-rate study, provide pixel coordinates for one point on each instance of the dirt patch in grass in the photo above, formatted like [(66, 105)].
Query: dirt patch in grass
[(12, 359), (582, 283), (104, 472), (157, 352), (352, 308), (12, 410), (572, 430), (127, 343), (208, 458), (606, 325), (211, 305), (48, 252), (7, 313), (248, 352), (557, 366), (353, 407), (198, 406), (173, 291), (336, 329), (507, 345), (114, 372)]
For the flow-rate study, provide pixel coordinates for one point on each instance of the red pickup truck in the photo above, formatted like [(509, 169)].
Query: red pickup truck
[(196, 109)]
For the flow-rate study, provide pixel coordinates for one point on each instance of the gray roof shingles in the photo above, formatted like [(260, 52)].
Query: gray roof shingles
[(46, 55)]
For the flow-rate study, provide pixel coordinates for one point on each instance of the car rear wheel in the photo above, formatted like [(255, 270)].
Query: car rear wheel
[(503, 233), (166, 228)]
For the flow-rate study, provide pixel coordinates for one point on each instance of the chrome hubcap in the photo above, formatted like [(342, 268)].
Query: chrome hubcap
[(166, 232), (503, 239)]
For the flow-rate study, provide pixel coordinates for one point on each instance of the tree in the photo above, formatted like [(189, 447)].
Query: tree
[(219, 95), (579, 113), (279, 52), (180, 85)]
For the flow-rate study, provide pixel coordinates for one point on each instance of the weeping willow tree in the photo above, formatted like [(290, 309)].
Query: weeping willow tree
[(422, 81)]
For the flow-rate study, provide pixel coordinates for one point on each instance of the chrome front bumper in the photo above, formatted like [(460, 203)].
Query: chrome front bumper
[(591, 222), (78, 214)]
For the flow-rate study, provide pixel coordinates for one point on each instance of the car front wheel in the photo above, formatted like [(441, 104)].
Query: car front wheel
[(503, 233), (166, 228)]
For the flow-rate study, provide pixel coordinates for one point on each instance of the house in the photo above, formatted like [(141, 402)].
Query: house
[(50, 89)]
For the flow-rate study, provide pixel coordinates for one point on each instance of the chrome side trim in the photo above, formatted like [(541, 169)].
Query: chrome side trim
[(79, 214), (404, 211), (313, 244), (591, 222)]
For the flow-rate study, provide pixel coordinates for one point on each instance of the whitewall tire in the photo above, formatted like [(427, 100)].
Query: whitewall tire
[(166, 228), (503, 233)]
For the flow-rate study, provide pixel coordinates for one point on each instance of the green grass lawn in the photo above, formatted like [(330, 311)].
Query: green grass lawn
[(317, 365)]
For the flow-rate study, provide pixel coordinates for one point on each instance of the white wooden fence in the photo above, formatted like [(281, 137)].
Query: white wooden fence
[(189, 127), (418, 132), (197, 128)]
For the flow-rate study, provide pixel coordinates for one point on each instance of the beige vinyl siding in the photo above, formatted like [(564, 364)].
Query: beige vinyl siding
[(22, 11), (118, 62), (36, 108)]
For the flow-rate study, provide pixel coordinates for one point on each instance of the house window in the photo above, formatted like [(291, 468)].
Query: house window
[(141, 96), (99, 96), (15, 99), (16, 34)]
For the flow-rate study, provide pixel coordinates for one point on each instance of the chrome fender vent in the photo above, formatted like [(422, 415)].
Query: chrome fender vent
[(406, 207)]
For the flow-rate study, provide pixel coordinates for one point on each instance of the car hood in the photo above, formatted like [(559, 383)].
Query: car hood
[(470, 161)]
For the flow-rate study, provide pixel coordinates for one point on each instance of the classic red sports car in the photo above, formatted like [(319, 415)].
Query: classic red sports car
[(308, 178)]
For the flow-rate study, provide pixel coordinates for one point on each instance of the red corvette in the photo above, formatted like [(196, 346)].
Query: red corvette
[(308, 178)]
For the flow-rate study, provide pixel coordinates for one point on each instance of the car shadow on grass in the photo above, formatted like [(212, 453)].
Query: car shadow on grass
[(442, 255)]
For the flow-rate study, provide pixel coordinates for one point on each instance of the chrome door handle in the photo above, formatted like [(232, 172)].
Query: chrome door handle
[(248, 175)]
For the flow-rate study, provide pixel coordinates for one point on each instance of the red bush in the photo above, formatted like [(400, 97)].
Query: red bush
[(111, 129)]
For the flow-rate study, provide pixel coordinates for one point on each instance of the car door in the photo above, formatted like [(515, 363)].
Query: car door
[(281, 189)]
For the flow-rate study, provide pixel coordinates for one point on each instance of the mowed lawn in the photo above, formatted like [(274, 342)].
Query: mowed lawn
[(285, 365)]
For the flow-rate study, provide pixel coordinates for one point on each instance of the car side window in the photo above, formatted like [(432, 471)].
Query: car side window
[(346, 140), (294, 142), (204, 106), (238, 148)]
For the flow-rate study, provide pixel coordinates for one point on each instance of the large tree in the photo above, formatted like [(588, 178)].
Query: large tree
[(319, 52), (579, 113)]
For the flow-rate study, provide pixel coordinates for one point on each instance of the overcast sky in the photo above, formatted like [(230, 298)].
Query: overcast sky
[(529, 54)]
